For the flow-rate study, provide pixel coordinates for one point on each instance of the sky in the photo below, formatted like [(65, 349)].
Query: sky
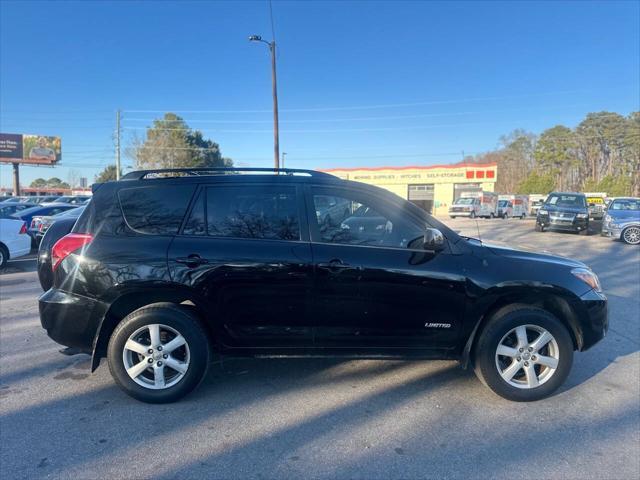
[(360, 83)]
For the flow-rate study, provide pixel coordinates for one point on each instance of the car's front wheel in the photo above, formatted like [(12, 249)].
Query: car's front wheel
[(524, 353), (631, 235), (158, 353)]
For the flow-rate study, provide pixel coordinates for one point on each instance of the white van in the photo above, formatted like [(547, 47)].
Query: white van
[(513, 206), (475, 204)]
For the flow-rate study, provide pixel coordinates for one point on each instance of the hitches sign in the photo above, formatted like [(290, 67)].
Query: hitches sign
[(29, 149)]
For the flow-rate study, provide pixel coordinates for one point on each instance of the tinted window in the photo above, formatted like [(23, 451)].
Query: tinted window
[(253, 212), (355, 221), (196, 224), (155, 210)]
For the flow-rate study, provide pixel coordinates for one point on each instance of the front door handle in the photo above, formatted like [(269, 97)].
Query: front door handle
[(336, 265), (192, 260)]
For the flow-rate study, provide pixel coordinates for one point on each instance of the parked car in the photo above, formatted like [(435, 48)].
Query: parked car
[(14, 241), (38, 212), (564, 211), (38, 199), (14, 199), (8, 209), (161, 271), (46, 221), (622, 220), (73, 199), (596, 204)]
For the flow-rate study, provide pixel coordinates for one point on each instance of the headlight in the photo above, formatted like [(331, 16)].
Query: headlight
[(588, 277), (582, 215), (542, 211)]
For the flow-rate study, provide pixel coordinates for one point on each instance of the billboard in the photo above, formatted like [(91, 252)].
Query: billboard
[(29, 149)]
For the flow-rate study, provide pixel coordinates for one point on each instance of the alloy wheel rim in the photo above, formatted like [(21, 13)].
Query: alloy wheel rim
[(156, 356), (527, 356), (632, 235)]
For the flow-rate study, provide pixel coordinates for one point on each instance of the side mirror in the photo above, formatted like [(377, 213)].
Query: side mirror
[(433, 240)]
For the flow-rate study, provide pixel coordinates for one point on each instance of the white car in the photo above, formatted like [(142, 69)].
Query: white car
[(14, 241)]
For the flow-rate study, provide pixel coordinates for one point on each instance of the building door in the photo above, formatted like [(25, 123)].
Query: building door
[(422, 196), (460, 188)]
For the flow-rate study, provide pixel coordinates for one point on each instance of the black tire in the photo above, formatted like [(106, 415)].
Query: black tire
[(4, 256), (584, 232), (539, 228), (500, 325), (181, 320), (452, 216)]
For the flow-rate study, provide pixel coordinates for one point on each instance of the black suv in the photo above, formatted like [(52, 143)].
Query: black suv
[(164, 268), (564, 211)]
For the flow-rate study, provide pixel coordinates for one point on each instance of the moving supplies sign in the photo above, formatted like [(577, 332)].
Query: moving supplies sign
[(29, 149)]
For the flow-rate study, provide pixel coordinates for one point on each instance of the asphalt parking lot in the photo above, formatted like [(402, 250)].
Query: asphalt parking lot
[(328, 418)]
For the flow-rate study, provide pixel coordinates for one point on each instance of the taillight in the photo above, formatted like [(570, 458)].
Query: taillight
[(67, 245), (23, 228)]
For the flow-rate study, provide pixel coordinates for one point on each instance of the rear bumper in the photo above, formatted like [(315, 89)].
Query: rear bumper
[(69, 319), (596, 322), (460, 214)]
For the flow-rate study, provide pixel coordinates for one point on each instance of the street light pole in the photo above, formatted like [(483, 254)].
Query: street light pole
[(274, 92)]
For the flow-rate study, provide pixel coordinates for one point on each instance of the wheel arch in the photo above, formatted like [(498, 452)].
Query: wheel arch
[(559, 303), (131, 300)]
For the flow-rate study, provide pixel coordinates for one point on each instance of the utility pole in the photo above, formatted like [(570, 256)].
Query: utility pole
[(118, 144), (274, 88), (282, 163), (274, 92)]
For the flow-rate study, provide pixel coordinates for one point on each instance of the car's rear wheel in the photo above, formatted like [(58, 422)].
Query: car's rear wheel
[(631, 235), (159, 353), (4, 256), (524, 353)]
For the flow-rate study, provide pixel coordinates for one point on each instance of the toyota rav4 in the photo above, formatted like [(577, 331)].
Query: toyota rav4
[(165, 269)]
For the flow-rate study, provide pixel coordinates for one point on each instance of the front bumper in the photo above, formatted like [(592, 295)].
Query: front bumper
[(69, 319), (595, 323), (574, 225), (460, 214)]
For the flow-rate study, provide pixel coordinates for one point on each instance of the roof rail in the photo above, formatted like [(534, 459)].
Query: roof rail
[(208, 171)]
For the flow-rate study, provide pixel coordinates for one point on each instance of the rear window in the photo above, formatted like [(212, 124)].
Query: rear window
[(155, 210)]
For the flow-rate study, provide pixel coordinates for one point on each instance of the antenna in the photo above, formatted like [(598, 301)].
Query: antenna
[(478, 228)]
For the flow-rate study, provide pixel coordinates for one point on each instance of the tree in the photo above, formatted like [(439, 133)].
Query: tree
[(555, 152), (108, 174), (38, 183), (516, 159), (536, 183), (171, 143)]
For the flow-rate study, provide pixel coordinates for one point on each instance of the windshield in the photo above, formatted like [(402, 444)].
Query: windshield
[(464, 201), (626, 204), (562, 200), (503, 203)]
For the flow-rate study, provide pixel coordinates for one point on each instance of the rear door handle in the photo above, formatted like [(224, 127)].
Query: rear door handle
[(336, 265), (192, 260)]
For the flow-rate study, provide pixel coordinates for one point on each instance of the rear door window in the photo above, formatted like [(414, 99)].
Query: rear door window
[(253, 211), (155, 210)]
